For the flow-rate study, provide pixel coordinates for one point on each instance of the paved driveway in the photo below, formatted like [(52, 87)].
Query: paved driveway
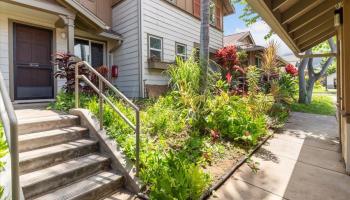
[(301, 163)]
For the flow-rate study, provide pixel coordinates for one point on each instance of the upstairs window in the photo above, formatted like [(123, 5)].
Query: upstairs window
[(212, 13), (155, 47), (181, 50)]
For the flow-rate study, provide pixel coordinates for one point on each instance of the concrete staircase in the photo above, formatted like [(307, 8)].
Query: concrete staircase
[(58, 160)]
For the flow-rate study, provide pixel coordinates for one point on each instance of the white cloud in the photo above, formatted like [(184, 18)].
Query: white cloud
[(259, 30)]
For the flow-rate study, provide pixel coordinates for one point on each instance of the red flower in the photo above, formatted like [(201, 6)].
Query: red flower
[(228, 78), (291, 69)]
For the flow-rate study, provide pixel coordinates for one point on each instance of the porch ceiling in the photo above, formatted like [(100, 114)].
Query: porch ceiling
[(302, 24)]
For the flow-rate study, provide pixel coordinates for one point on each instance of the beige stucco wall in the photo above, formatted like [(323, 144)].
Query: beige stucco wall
[(14, 13)]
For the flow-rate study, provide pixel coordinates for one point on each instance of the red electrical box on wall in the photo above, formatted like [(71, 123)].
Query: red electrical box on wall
[(115, 71)]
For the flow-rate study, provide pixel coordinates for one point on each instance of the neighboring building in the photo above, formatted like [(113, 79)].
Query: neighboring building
[(331, 81), (244, 41), (102, 32)]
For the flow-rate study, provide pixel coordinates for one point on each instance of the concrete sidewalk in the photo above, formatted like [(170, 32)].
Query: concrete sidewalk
[(301, 163)]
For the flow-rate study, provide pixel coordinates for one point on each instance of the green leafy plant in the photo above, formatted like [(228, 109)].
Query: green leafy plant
[(177, 179), (65, 101), (230, 116), (184, 131), (3, 152)]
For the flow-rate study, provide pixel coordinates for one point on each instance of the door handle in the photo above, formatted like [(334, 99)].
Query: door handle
[(34, 64)]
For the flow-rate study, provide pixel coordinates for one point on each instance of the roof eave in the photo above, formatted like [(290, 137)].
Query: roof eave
[(87, 13), (229, 8), (263, 10)]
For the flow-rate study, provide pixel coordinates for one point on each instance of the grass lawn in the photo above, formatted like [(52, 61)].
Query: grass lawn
[(322, 103)]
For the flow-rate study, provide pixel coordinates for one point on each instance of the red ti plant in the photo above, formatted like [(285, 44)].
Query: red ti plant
[(65, 63), (292, 70), (227, 58), (103, 70)]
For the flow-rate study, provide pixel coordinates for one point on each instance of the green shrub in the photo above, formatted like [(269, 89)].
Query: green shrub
[(174, 140), (174, 178), (230, 116), (288, 89), (184, 76), (3, 152), (65, 101)]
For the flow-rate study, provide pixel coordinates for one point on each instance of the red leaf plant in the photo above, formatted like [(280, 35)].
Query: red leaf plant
[(227, 58), (292, 70)]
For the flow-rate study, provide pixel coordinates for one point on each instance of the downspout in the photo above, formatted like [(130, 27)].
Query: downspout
[(140, 53)]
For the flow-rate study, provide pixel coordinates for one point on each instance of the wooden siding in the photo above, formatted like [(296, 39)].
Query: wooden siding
[(125, 21), (101, 8), (166, 21), (193, 7)]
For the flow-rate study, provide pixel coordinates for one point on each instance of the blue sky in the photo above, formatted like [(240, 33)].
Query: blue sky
[(232, 24)]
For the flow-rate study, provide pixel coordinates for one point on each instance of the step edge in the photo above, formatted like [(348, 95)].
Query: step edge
[(91, 142), (78, 167)]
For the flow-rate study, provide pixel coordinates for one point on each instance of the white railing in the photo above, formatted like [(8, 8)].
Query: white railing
[(103, 98), (10, 124)]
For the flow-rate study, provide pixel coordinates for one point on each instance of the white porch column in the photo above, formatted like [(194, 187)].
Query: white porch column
[(70, 33)]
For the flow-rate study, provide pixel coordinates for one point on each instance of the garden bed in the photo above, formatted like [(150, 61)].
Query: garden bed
[(190, 139)]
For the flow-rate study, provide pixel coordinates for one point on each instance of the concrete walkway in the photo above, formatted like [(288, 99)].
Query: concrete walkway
[(301, 163)]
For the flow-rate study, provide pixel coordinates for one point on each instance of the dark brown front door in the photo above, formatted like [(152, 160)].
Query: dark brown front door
[(33, 70)]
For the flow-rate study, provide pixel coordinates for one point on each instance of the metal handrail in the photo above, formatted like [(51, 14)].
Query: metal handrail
[(10, 124), (103, 98)]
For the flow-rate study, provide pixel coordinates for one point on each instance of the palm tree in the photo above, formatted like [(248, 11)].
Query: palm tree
[(204, 45)]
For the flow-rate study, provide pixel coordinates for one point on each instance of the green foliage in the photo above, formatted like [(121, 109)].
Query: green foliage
[(279, 113), (253, 77), (285, 89), (179, 129), (177, 179), (331, 69), (3, 152), (321, 104), (184, 76), (66, 101), (230, 116)]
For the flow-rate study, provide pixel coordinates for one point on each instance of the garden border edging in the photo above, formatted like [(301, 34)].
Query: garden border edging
[(224, 177)]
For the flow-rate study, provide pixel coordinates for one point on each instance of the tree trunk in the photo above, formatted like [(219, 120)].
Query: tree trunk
[(302, 81), (306, 88), (204, 45)]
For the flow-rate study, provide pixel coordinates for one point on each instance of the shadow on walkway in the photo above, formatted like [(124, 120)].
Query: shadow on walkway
[(301, 163)]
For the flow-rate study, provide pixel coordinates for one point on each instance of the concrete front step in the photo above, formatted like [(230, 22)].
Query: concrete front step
[(45, 157), (121, 194), (32, 125), (47, 179), (92, 188), (28, 142)]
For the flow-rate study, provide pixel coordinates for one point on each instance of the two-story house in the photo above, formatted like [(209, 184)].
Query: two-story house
[(244, 41), (154, 33), (125, 33)]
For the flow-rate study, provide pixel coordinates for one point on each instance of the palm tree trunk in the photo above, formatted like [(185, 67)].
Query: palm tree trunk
[(204, 45)]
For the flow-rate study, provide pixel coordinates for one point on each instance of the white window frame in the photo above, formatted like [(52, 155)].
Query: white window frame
[(154, 49), (177, 53), (98, 42)]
